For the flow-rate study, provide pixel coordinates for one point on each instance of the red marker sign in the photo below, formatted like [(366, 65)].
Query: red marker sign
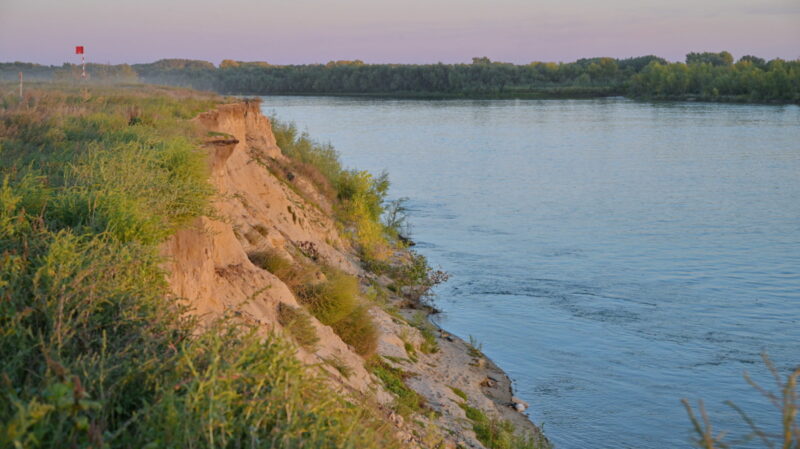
[(79, 50)]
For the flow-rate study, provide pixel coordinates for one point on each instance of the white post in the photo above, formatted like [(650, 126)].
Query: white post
[(83, 63), (20, 85)]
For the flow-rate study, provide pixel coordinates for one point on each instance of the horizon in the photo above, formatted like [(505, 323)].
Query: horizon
[(413, 32)]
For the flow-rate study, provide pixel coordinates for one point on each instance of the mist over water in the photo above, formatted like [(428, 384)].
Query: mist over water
[(612, 256)]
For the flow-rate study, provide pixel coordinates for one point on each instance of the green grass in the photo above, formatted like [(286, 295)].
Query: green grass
[(358, 330), (500, 434), (475, 348), (460, 393), (334, 301), (358, 197), (297, 322), (407, 401), (95, 351), (429, 344), (340, 366)]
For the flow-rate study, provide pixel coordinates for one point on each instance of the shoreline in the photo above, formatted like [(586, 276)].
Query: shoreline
[(453, 379)]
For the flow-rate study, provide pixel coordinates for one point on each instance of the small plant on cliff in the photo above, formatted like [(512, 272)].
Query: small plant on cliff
[(336, 302), (407, 400), (459, 392), (496, 433), (395, 220), (475, 348), (360, 197), (297, 322), (415, 279), (333, 299), (429, 344), (300, 147)]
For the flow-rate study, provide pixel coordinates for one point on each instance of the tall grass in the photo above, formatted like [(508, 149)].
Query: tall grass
[(95, 353), (336, 301), (358, 196), (785, 401), (495, 433)]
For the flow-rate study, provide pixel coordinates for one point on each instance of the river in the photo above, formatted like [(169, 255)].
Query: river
[(612, 256)]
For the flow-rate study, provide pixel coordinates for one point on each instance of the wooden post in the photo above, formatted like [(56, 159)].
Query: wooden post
[(20, 85)]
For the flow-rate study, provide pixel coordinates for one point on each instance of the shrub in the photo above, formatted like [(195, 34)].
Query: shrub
[(300, 147), (358, 330), (416, 279), (298, 324), (333, 299), (360, 197), (294, 275)]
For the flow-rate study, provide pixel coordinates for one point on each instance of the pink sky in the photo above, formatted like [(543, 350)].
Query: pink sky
[(408, 31)]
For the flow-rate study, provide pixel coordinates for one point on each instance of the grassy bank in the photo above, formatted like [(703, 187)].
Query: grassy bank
[(95, 351)]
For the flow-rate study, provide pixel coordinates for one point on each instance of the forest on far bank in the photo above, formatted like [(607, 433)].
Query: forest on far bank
[(703, 76)]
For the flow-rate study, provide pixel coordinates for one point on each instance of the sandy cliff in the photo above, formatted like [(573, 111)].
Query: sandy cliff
[(257, 210)]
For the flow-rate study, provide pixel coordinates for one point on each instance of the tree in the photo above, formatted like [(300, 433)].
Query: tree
[(722, 58)]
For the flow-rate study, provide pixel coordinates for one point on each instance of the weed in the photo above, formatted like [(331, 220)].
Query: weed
[(297, 322), (497, 433), (340, 366), (333, 299), (460, 393), (294, 275), (785, 401), (358, 330), (475, 348), (429, 344), (407, 400)]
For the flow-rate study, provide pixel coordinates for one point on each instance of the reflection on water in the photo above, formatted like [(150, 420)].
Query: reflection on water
[(612, 256)]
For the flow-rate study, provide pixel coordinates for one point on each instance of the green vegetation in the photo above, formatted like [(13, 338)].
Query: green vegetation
[(704, 76), (500, 434), (340, 366), (358, 196), (358, 330), (475, 348), (298, 324), (460, 393), (429, 344), (414, 278), (714, 77), (785, 401), (95, 353), (408, 401), (335, 301)]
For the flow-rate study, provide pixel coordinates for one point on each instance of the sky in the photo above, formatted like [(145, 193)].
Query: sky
[(399, 31)]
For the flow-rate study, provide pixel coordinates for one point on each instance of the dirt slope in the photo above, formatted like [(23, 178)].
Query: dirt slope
[(260, 208)]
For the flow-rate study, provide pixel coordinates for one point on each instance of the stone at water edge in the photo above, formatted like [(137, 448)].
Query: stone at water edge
[(519, 404)]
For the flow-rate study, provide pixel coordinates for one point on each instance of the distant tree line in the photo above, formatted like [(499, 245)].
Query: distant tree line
[(704, 76)]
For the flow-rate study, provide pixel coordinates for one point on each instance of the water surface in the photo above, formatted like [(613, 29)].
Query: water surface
[(612, 256)]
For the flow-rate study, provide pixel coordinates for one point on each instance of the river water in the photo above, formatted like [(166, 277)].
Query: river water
[(612, 256)]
